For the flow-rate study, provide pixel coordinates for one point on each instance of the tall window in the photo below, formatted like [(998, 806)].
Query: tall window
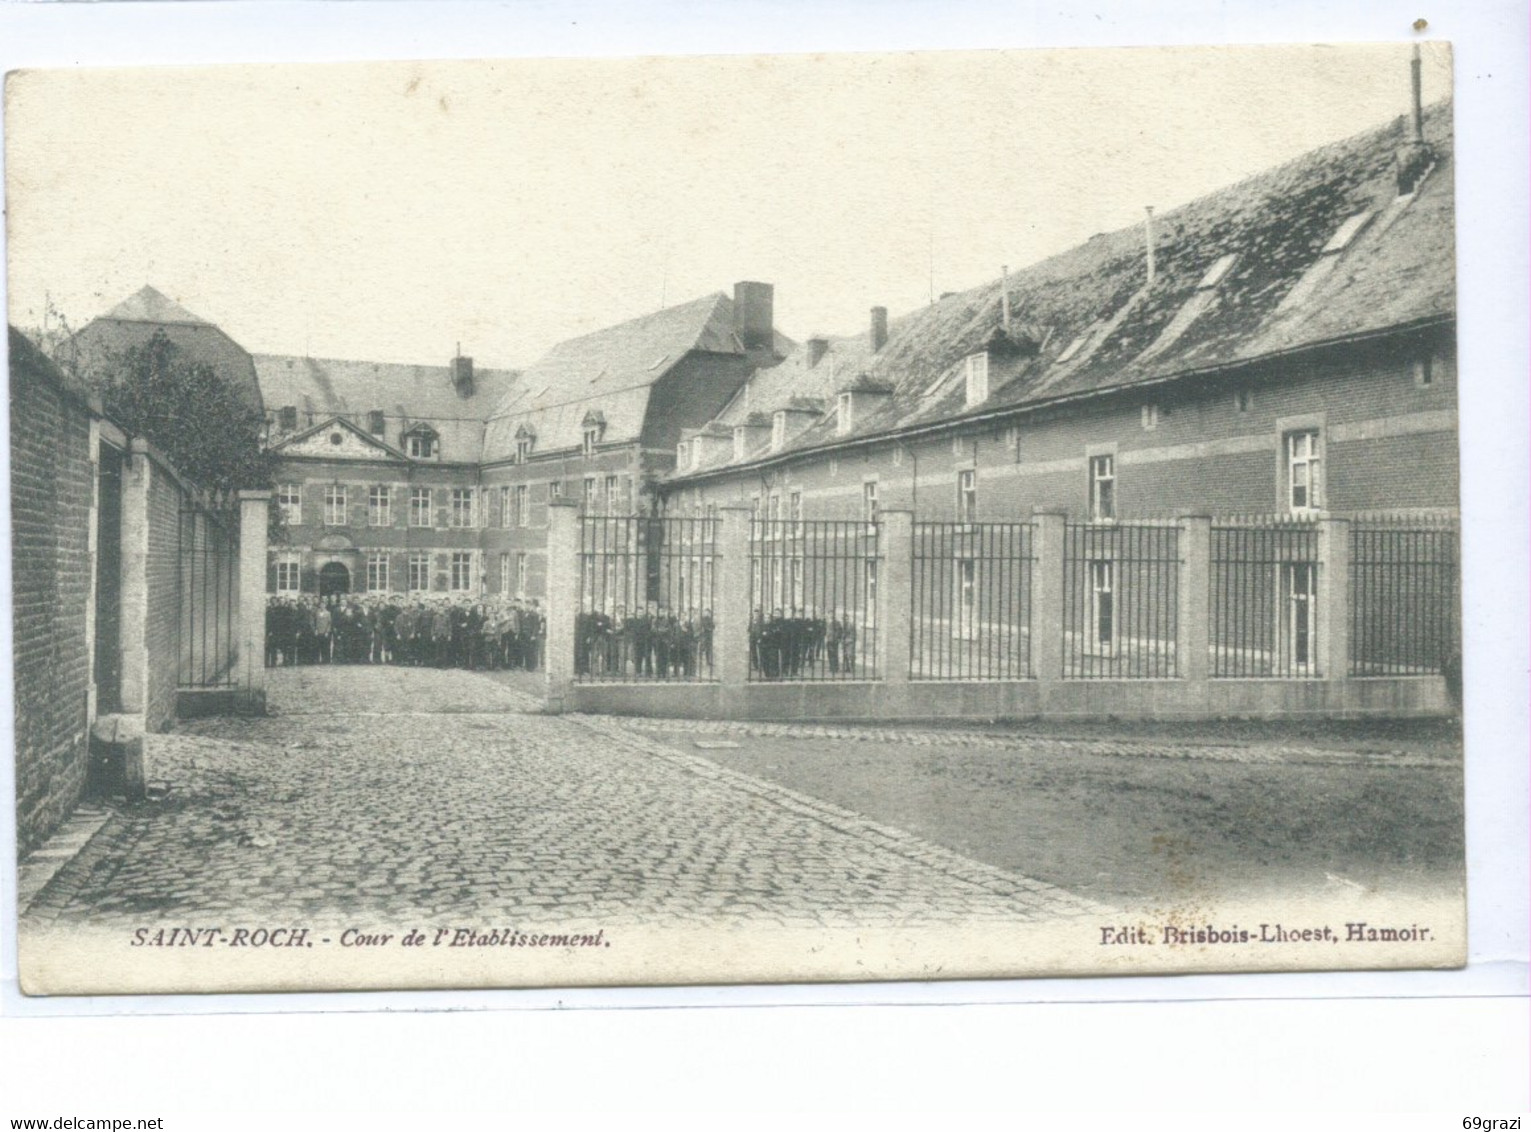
[(967, 496), (504, 574), (1300, 580), (377, 571), (869, 502), (461, 514), (420, 507), (505, 514), (335, 505), (555, 490), (462, 571), (289, 497), (421, 444), (590, 496), (419, 571), (379, 507), (522, 569), (288, 576), (977, 378), (523, 511), (592, 437), (612, 495), (795, 513), (1102, 606), (1102, 487), (523, 449), (967, 598), (1302, 470)]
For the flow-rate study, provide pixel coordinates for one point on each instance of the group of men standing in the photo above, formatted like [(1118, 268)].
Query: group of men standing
[(786, 647), (650, 643), (388, 629)]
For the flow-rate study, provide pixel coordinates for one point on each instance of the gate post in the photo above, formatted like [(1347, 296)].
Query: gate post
[(895, 580), (1334, 599), (563, 600), (136, 476), (731, 615), (1193, 634), (1048, 532), (254, 520)]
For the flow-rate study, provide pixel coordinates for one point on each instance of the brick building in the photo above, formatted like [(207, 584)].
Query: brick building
[(1282, 346)]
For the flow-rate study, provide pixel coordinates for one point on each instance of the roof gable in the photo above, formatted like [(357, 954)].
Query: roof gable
[(338, 439)]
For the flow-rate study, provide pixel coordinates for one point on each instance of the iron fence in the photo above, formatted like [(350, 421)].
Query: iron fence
[(1120, 600), (207, 638), (970, 601), (1404, 603), (1264, 600), (646, 598), (813, 599)]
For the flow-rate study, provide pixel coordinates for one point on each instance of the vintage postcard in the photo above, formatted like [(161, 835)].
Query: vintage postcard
[(735, 519)]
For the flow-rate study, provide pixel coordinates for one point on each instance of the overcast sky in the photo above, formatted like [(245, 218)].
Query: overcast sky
[(388, 211)]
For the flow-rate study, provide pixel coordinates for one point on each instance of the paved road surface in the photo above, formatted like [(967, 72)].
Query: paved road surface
[(416, 796)]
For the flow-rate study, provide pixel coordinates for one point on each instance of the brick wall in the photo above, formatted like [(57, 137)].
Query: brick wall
[(1390, 441), (52, 488), (164, 644)]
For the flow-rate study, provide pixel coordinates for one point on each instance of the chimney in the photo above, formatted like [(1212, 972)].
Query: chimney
[(879, 328), (1414, 157), (817, 348), (753, 315), (1148, 237), (462, 375), (1004, 297)]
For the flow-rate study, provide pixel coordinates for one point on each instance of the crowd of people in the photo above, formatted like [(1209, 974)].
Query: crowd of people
[(651, 643), (785, 646), (439, 631)]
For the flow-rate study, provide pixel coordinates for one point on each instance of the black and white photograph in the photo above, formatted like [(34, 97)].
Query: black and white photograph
[(735, 519)]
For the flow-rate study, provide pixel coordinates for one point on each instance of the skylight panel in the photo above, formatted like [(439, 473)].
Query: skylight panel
[(1217, 272), (1347, 232), (1073, 347)]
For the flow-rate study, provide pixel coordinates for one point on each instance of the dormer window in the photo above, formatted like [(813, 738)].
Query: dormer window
[(682, 455), (376, 422), (287, 418), (977, 378), (741, 443), (422, 443), (778, 429), (526, 439), (843, 414), (593, 426)]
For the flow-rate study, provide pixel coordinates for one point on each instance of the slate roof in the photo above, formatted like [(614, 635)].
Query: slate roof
[(131, 323), (1089, 325), (322, 388), (612, 370)]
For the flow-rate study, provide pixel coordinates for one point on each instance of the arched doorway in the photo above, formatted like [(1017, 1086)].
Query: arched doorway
[(334, 578)]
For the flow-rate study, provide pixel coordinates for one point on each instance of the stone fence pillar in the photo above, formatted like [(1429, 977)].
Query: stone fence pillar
[(894, 590), (1049, 529), (1193, 601), (250, 670), (732, 609), (1333, 615), (563, 573)]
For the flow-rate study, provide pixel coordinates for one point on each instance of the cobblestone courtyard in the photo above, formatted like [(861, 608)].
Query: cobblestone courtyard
[(385, 795)]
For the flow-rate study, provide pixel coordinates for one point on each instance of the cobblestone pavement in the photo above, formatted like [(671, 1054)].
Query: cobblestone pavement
[(394, 796)]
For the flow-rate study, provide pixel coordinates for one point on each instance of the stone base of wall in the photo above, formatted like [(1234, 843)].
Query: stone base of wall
[(1389, 697)]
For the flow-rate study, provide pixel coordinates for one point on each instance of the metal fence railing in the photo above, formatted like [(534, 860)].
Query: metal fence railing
[(1264, 599), (1404, 602), (207, 632), (813, 599), (646, 598), (970, 601), (1120, 600)]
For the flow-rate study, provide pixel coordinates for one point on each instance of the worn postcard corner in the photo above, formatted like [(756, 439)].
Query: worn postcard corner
[(736, 519)]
